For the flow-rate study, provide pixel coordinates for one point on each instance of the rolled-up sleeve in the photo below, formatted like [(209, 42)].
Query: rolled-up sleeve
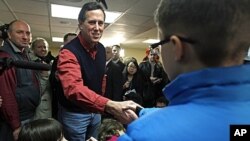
[(69, 73)]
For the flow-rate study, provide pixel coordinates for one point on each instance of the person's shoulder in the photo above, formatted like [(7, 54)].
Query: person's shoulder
[(100, 46), (120, 63), (71, 44), (4, 53), (143, 63), (114, 65)]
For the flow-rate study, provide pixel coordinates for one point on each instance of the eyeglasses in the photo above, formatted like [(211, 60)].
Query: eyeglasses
[(134, 67), (162, 42)]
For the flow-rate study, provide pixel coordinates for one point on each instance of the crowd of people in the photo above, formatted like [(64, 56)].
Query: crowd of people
[(198, 89)]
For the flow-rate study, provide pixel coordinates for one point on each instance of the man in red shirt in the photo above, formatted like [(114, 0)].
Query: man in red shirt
[(81, 68)]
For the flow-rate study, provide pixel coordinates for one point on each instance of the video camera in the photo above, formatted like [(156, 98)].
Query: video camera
[(3, 31)]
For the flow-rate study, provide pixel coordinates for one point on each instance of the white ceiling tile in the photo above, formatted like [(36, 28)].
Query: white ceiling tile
[(150, 23), (120, 5), (34, 19), (107, 34), (41, 34), (29, 6), (63, 22), (144, 7), (3, 6), (126, 28), (5, 17), (70, 2), (132, 19), (39, 28), (62, 30)]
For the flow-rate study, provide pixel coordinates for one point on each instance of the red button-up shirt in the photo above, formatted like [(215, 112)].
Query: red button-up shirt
[(70, 75)]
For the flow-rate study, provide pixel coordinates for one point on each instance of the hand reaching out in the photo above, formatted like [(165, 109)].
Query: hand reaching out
[(131, 114), (124, 111)]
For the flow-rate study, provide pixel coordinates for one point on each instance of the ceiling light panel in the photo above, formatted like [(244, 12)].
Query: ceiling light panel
[(70, 12)]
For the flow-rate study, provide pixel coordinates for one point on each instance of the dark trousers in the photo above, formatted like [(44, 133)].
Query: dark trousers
[(5, 132)]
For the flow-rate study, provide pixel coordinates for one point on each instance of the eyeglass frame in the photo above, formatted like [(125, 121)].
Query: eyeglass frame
[(167, 39)]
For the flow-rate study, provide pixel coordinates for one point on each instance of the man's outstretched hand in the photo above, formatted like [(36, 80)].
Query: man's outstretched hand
[(123, 111)]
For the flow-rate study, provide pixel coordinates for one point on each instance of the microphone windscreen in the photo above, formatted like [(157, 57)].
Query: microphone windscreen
[(31, 65)]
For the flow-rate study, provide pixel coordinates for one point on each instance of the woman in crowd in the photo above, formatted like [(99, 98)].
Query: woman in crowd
[(133, 82)]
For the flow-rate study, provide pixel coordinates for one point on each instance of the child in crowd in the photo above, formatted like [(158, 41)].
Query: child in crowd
[(161, 102), (42, 130), (110, 130)]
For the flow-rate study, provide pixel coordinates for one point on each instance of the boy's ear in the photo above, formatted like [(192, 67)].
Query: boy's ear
[(178, 47)]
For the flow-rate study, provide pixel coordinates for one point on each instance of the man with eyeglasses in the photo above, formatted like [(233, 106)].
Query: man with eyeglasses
[(203, 46)]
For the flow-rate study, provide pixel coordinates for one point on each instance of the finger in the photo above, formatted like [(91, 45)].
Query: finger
[(131, 114), (132, 105), (124, 118)]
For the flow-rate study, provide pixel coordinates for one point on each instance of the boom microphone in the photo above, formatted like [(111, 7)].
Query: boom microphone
[(9, 62)]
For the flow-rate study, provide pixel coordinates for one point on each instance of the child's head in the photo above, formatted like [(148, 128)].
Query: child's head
[(161, 102), (41, 130), (109, 128)]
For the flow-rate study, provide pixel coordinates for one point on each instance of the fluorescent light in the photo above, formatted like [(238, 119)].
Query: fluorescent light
[(151, 41), (112, 16), (62, 11), (57, 39), (70, 12)]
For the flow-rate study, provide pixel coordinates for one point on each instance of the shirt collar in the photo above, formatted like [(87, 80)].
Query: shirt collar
[(91, 50), (85, 44), (116, 61), (15, 48), (108, 61)]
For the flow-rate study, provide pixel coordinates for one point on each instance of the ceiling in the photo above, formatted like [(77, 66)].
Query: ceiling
[(136, 24)]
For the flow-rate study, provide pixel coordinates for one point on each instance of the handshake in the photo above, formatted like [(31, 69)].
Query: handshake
[(124, 111)]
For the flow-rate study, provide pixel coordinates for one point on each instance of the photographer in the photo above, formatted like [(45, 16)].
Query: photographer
[(3, 33)]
